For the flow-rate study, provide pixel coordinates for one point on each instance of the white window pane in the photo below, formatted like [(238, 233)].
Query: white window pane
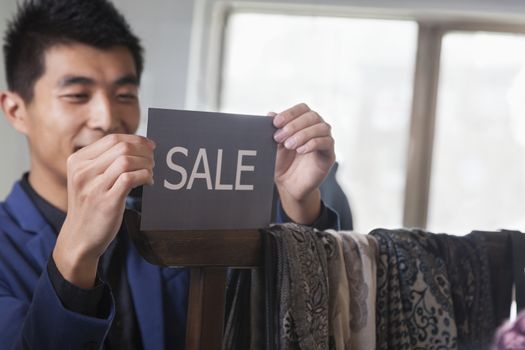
[(356, 73), (478, 178)]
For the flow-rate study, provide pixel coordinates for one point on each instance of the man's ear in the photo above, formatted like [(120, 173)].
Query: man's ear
[(15, 110)]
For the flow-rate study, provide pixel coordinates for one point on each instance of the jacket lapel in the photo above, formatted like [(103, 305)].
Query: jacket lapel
[(146, 289), (27, 215), (144, 278)]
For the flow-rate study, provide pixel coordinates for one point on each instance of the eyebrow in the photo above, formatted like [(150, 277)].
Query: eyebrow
[(75, 80), (129, 79)]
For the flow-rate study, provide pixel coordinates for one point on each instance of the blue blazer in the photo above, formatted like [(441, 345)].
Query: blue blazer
[(31, 314)]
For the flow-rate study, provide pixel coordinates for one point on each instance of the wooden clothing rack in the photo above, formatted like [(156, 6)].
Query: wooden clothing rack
[(208, 254)]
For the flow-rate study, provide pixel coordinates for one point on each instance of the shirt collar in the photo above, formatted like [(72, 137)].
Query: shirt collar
[(54, 216)]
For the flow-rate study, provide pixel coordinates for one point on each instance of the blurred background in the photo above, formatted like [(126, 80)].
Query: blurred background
[(426, 98)]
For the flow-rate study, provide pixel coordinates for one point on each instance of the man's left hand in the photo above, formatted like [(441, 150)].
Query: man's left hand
[(305, 154)]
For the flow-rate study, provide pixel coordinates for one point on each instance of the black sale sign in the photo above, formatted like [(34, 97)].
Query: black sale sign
[(212, 171)]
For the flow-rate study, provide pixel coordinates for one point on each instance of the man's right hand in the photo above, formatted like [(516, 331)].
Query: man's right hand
[(99, 177)]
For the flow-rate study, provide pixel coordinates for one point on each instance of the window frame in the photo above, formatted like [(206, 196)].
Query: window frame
[(207, 53), (424, 105)]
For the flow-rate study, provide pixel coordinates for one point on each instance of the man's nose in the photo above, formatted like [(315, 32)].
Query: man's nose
[(103, 114)]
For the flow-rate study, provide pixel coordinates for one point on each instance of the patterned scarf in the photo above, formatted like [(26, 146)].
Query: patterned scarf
[(468, 272), (414, 306)]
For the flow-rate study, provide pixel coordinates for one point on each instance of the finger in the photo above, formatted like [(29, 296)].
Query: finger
[(318, 144), (129, 180), (84, 171), (302, 122), (95, 149), (125, 164), (303, 136), (271, 114), (290, 114), (119, 150)]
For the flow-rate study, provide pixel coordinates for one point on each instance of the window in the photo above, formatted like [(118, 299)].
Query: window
[(346, 70), (478, 175), (359, 75)]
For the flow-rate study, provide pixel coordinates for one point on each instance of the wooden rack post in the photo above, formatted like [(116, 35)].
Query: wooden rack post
[(209, 254)]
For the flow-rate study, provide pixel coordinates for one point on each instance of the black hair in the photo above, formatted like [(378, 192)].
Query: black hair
[(41, 24)]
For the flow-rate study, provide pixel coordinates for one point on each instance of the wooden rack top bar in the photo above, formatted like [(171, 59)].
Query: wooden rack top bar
[(217, 248)]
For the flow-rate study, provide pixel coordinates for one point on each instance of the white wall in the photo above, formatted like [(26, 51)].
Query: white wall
[(491, 7), (13, 149)]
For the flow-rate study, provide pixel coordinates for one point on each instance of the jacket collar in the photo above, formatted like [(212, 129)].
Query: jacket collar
[(25, 213)]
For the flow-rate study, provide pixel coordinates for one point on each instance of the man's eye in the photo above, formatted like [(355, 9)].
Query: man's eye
[(126, 97), (76, 97)]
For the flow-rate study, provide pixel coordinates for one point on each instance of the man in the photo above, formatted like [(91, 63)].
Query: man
[(68, 279)]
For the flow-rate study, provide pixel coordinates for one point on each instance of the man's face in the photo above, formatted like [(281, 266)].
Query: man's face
[(84, 94)]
